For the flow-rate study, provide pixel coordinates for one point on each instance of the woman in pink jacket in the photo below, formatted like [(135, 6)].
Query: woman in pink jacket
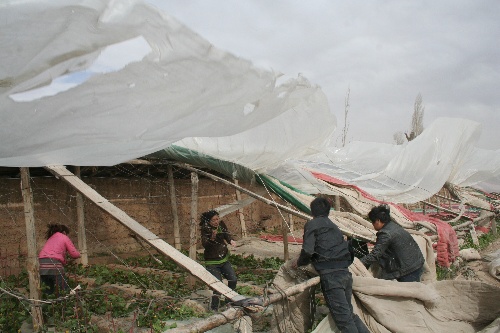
[(52, 257)]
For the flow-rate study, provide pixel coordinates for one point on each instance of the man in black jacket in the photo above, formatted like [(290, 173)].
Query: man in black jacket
[(395, 251), (325, 246)]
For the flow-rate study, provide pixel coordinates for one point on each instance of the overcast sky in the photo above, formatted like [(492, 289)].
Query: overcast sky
[(385, 52)]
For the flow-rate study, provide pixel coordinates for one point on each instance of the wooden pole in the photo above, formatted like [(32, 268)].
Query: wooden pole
[(233, 313), (290, 219), (465, 203), (284, 229), (80, 215), (192, 226), (337, 203), (240, 212), (446, 210), (32, 262), (494, 226), (473, 235), (173, 202)]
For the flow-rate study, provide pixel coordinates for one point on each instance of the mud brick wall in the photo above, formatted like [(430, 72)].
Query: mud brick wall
[(145, 200)]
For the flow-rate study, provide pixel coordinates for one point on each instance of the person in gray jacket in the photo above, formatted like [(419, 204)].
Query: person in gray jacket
[(325, 247), (395, 250)]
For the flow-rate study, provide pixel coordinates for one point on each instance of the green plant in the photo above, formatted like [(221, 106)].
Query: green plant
[(73, 314), (246, 290), (446, 273)]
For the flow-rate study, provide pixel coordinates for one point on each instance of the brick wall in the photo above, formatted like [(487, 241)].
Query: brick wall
[(145, 200)]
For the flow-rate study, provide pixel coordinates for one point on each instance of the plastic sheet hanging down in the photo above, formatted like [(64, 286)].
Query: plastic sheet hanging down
[(99, 83)]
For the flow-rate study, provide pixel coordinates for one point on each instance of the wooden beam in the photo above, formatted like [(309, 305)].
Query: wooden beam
[(234, 206), (234, 313), (173, 203), (284, 231), (193, 224), (80, 217), (446, 210), (32, 265), (290, 220), (159, 244), (465, 203), (240, 212)]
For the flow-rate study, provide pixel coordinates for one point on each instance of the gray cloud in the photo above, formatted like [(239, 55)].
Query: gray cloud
[(386, 52)]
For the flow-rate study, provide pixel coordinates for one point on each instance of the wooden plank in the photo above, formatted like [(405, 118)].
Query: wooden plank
[(234, 206), (240, 212), (32, 265), (160, 245)]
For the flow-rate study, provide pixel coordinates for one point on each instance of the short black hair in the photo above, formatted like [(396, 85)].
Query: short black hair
[(320, 206), (381, 212), (207, 216), (53, 228)]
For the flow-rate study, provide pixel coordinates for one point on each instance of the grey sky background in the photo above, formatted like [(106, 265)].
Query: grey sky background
[(385, 52)]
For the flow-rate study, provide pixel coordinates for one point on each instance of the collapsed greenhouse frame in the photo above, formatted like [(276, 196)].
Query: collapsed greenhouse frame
[(163, 247)]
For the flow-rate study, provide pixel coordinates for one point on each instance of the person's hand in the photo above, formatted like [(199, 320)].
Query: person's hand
[(294, 263), (233, 243)]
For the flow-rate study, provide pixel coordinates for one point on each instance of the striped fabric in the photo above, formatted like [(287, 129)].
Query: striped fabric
[(50, 266)]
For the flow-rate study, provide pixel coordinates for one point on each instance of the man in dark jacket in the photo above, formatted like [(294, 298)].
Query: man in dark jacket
[(215, 237), (325, 246), (395, 251)]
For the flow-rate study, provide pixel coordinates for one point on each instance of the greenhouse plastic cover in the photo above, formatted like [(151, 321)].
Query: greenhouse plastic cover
[(99, 83), (444, 152)]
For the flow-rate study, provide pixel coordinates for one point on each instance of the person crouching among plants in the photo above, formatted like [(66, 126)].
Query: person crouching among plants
[(215, 238), (52, 258)]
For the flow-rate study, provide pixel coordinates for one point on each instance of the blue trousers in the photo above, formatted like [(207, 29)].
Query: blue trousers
[(411, 277), (337, 290), (219, 271)]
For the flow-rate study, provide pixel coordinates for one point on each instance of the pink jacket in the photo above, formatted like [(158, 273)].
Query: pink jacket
[(56, 247)]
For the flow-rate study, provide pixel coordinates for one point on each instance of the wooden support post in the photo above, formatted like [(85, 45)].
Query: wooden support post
[(192, 226), (473, 234), (240, 212), (290, 219), (80, 215), (445, 210), (284, 229), (32, 265), (337, 203), (423, 207), (173, 203)]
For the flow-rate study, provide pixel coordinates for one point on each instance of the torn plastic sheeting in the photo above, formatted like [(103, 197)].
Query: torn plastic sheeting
[(181, 86)]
